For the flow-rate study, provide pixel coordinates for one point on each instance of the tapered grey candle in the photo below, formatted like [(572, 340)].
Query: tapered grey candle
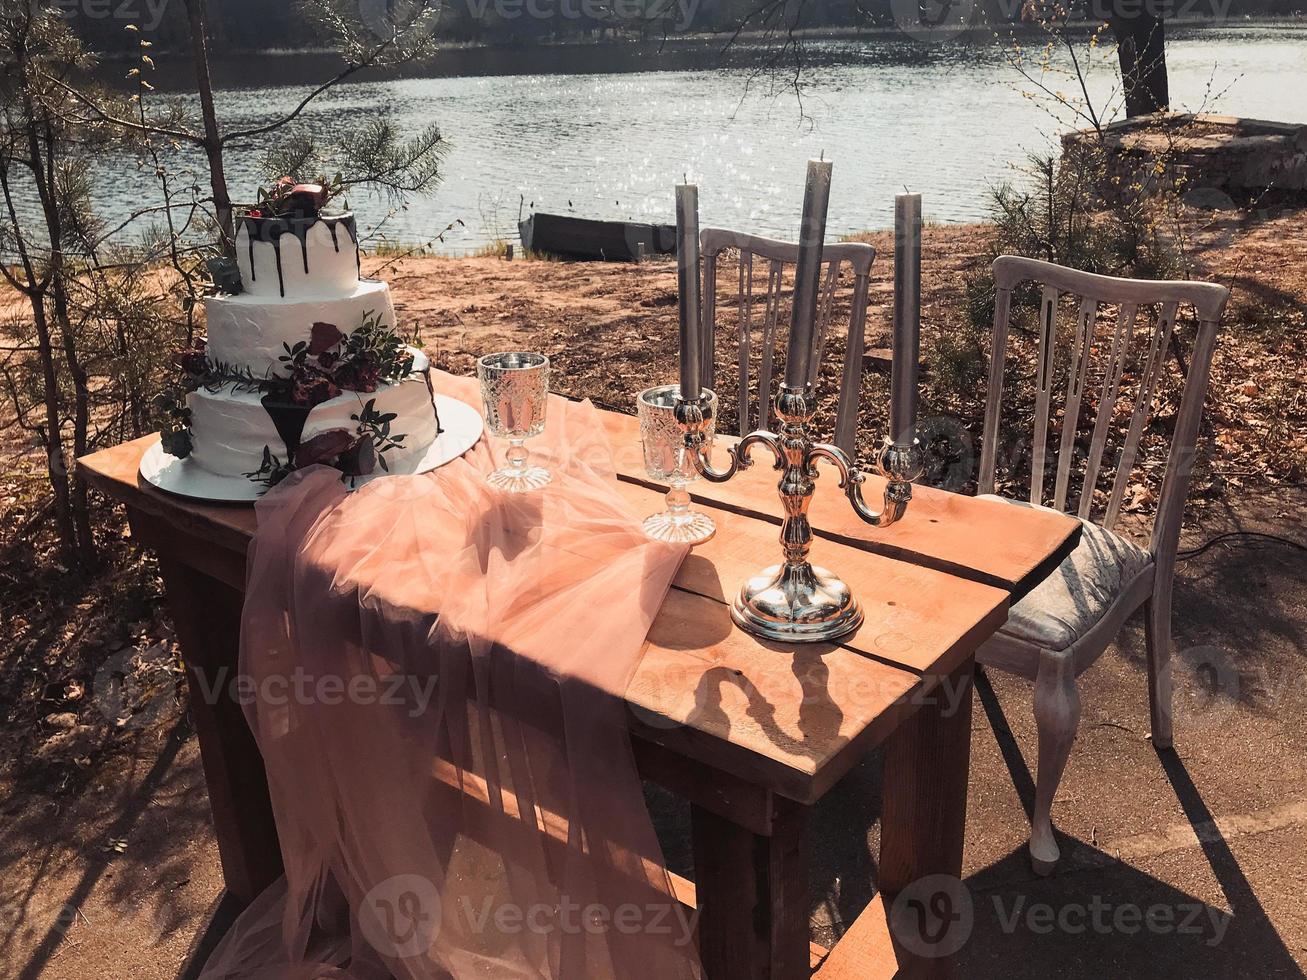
[(687, 282), (907, 317), (803, 323)]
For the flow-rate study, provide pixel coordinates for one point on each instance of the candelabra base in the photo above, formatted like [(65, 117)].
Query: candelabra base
[(796, 604)]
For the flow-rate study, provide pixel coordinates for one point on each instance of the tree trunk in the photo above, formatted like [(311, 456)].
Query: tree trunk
[(52, 434), (81, 507), (1141, 47), (37, 283), (48, 191), (199, 31)]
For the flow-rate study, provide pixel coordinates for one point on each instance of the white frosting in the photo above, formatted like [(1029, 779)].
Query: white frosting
[(332, 263), (230, 428), (251, 333)]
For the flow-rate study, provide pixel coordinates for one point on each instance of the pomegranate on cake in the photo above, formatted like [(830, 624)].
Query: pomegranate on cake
[(303, 362)]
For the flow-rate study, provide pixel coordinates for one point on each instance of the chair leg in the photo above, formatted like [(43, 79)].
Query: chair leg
[(1157, 639), (1057, 716)]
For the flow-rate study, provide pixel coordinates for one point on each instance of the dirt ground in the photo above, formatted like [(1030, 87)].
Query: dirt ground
[(107, 862)]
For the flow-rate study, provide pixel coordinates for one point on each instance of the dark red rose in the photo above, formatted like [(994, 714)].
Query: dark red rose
[(365, 377), (313, 389), (193, 360), (328, 360), (327, 447), (358, 375), (324, 337)]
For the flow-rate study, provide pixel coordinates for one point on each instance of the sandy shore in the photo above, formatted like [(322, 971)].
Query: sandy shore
[(611, 330)]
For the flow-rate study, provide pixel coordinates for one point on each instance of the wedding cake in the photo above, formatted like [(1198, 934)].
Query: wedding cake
[(302, 363)]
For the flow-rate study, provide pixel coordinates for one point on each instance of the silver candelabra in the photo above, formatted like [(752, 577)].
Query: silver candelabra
[(797, 601)]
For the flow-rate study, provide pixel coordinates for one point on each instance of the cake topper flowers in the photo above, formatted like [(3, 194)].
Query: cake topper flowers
[(292, 198)]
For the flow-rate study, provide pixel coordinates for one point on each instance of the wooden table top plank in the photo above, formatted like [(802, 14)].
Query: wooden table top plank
[(963, 536), (792, 717), (797, 717), (914, 614), (116, 473), (917, 618)]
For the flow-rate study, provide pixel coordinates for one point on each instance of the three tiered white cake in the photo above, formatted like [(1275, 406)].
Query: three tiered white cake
[(303, 361)]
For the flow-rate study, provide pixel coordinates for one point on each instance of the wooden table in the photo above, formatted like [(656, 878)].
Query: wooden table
[(751, 733)]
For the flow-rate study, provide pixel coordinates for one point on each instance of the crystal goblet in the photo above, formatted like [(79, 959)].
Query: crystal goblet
[(515, 391), (664, 460)]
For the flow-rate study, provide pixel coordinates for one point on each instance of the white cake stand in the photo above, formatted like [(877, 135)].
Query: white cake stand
[(460, 425)]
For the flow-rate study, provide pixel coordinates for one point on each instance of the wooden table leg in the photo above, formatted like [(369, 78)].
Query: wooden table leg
[(207, 617), (753, 896), (927, 762)]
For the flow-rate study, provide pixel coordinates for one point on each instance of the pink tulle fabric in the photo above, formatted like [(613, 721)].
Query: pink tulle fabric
[(435, 671)]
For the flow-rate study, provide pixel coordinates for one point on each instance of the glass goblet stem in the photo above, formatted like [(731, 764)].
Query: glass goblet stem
[(678, 502), (516, 455)]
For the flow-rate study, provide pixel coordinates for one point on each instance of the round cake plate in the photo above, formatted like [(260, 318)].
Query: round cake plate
[(461, 429)]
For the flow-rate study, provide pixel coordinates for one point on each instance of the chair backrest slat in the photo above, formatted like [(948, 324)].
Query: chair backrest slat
[(1043, 390), (778, 256), (825, 307), (1116, 361), (771, 323), (1125, 326), (746, 336), (708, 336), (1075, 391), (846, 419), (1158, 344), (994, 397)]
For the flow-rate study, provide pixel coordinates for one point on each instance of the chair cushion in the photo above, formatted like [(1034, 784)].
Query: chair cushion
[(1066, 605)]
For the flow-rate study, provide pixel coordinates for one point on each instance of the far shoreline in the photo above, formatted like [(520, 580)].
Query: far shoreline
[(611, 55)]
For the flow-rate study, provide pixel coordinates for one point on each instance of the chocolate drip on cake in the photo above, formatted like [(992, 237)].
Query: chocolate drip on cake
[(431, 390), (271, 229), (290, 420), (281, 276)]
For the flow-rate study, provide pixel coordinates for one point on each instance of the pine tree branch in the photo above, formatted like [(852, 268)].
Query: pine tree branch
[(127, 124)]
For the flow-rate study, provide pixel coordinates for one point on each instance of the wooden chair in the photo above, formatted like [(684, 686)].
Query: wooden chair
[(765, 314), (1061, 627)]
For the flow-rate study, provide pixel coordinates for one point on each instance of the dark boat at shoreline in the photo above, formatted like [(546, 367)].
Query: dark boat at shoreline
[(589, 239)]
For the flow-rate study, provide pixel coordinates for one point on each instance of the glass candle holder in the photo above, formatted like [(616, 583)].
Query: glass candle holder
[(665, 461)]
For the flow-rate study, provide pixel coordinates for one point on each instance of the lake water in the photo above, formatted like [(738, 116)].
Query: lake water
[(947, 120)]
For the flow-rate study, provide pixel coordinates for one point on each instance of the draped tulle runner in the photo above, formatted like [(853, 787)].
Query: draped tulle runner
[(436, 672)]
